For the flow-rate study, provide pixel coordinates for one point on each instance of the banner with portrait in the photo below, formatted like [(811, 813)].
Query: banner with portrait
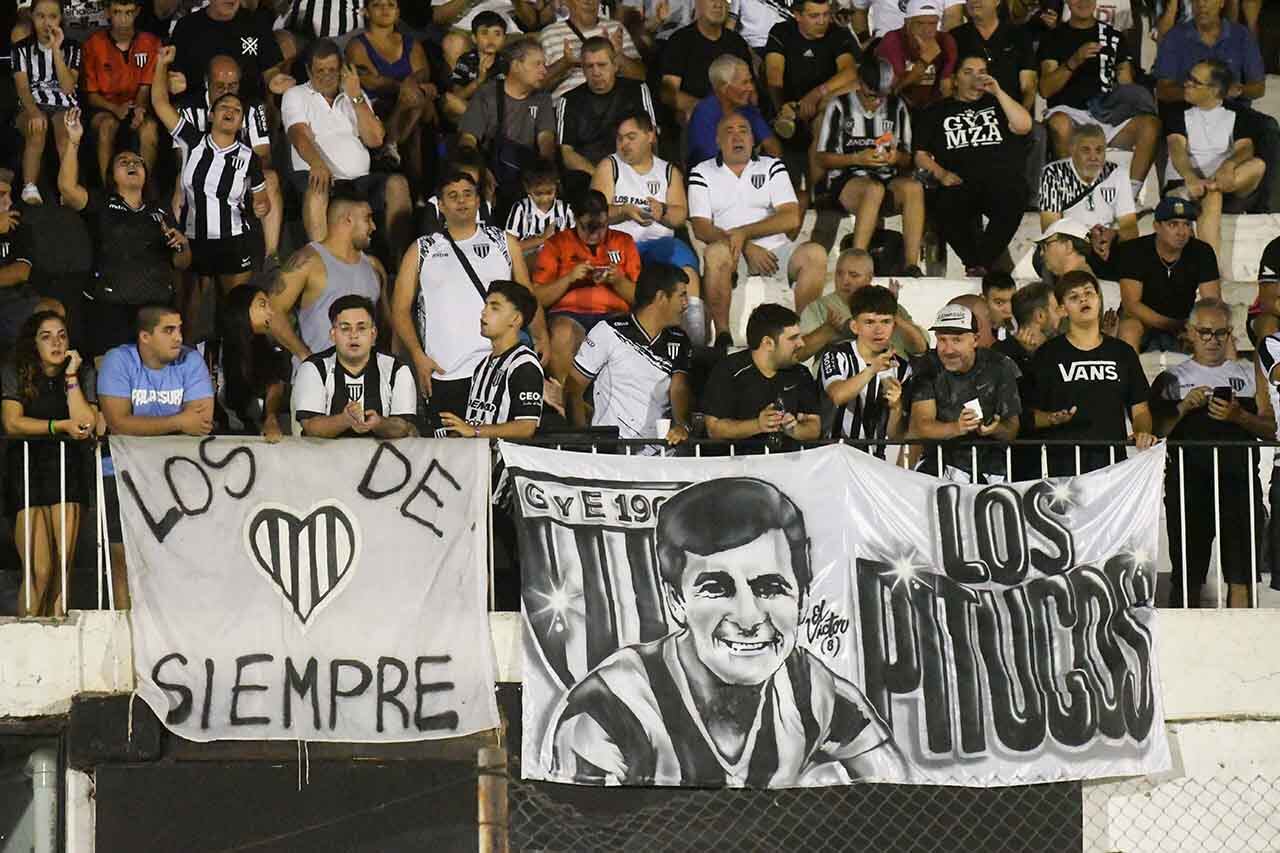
[(821, 617), (317, 590)]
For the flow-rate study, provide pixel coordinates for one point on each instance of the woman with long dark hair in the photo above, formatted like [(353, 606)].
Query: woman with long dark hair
[(47, 391), (249, 371)]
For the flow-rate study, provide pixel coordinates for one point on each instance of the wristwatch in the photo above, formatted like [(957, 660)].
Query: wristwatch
[(358, 100)]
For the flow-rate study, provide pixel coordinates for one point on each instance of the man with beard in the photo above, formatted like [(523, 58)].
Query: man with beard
[(728, 699), (826, 320), (1039, 318)]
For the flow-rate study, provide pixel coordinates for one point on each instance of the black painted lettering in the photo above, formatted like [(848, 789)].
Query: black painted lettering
[(959, 604), (386, 695), (335, 690), (178, 715), (997, 514), (159, 529), (1004, 635), (1041, 519), (592, 505), (366, 488), (303, 684), (432, 722), (423, 489), (1073, 718), (199, 508), (242, 663), (208, 693), (951, 537), (251, 475)]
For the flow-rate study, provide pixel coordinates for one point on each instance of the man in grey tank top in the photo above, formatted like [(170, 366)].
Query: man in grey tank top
[(321, 272)]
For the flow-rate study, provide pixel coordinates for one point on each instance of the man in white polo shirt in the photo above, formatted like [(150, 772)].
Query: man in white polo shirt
[(331, 128), (742, 206)]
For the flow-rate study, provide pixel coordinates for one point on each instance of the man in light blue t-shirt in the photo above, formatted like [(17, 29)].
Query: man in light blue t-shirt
[(154, 387)]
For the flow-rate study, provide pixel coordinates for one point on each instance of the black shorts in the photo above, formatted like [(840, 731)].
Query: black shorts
[(226, 256)]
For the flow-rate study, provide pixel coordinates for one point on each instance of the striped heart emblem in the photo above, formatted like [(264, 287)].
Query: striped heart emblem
[(308, 558)]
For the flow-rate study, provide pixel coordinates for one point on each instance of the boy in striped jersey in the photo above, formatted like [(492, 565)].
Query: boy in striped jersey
[(540, 213), (46, 70)]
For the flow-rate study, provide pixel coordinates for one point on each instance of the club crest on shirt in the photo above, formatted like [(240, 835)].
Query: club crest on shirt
[(236, 162), (481, 250), (499, 376), (654, 187), (533, 112), (615, 257), (757, 181), (140, 59), (1108, 194)]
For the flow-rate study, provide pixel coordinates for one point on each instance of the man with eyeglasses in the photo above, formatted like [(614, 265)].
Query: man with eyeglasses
[(1212, 397), (1161, 275), (1208, 35)]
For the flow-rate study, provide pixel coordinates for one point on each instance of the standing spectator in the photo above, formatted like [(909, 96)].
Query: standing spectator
[(43, 396), (997, 290), (1085, 59), (1087, 385), (249, 372), (155, 386), (1161, 276), (332, 127), (393, 70), (512, 121), (690, 52), (322, 272), (479, 64), (217, 185), (1209, 35), (732, 90), (541, 213), (864, 143), (349, 389), (588, 115), (17, 298), (754, 20), (890, 15), (969, 145), (647, 200), (1213, 150), (1212, 398), (563, 41), (440, 290), (827, 319), (118, 64), (472, 162), (863, 377), (584, 275), (923, 57), (46, 70), (1088, 188), (325, 19), (652, 23), (137, 246), (638, 365), (763, 391), (1039, 317), (965, 394), (159, 17), (742, 206), (224, 28), (806, 63)]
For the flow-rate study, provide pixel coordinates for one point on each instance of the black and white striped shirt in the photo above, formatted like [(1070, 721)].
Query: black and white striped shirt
[(526, 220), (506, 387), (322, 18), (254, 132), (1101, 202), (36, 61), (847, 129), (865, 415), (217, 183)]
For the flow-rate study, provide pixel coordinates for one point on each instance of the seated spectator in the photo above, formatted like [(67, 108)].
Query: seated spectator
[(589, 113), (43, 395), (322, 272), (1091, 190), (216, 186), (159, 17), (1212, 397), (224, 76), (922, 57), (969, 145), (638, 365), (440, 290), (118, 64), (1084, 60), (1264, 314), (754, 20), (1064, 247), (541, 213), (689, 54), (1213, 151), (890, 15), (472, 162), (647, 200), (393, 70), (46, 70), (763, 391), (651, 23), (331, 128), (154, 386), (478, 65), (584, 275), (732, 90), (863, 377), (224, 28), (743, 206), (458, 19), (1209, 35), (1087, 385), (349, 389), (965, 393), (827, 320), (249, 372), (512, 122), (137, 245), (17, 297), (505, 400), (563, 40), (997, 290), (1161, 276), (864, 143), (329, 19)]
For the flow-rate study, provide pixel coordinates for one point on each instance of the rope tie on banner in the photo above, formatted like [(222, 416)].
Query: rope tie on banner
[(304, 764)]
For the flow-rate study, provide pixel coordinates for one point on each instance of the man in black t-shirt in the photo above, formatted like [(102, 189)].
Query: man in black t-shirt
[(1087, 385), (1039, 319), (963, 394), (969, 143), (223, 28), (806, 61), (1160, 276), (762, 391), (690, 52)]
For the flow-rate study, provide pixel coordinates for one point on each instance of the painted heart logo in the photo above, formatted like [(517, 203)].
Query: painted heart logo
[(308, 558)]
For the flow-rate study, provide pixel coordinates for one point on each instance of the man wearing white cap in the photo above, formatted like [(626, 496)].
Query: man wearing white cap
[(923, 58), (888, 15), (1064, 247)]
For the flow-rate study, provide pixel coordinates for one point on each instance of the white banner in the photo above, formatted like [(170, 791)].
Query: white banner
[(822, 617), (310, 590)]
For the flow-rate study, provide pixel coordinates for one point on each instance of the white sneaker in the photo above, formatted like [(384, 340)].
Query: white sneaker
[(31, 194)]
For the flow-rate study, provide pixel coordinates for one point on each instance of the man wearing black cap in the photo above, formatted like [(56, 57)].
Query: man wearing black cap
[(1160, 276), (965, 393)]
